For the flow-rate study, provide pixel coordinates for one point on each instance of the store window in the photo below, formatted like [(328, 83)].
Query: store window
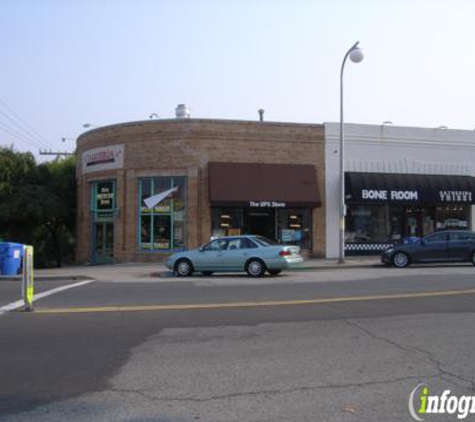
[(294, 227), (289, 226), (392, 223), (453, 217), (162, 227), (103, 198), (371, 224), (227, 222)]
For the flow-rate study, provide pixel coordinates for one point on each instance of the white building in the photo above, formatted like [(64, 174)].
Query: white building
[(400, 181)]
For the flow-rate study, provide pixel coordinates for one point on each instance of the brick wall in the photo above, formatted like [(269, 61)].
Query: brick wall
[(184, 147)]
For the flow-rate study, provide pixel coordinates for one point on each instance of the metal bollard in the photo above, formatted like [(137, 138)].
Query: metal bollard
[(28, 279)]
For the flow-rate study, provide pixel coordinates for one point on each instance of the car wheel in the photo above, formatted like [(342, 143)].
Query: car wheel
[(400, 260), (255, 267), (274, 272), (183, 268), (473, 258), (207, 272)]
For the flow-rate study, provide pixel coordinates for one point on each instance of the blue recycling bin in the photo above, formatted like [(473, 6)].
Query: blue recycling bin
[(11, 255)]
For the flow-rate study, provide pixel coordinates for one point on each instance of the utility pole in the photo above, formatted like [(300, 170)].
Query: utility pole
[(57, 153)]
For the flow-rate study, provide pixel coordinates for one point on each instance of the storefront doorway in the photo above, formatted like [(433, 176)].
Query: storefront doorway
[(413, 222), (103, 242), (260, 222), (103, 217)]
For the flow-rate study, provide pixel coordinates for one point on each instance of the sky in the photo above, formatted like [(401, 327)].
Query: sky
[(65, 63)]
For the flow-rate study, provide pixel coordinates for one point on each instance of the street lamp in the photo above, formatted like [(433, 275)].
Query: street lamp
[(356, 55)]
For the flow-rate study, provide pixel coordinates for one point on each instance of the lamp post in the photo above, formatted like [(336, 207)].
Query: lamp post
[(356, 55)]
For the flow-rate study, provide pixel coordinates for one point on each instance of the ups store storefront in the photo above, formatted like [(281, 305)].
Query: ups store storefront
[(382, 208), (272, 200)]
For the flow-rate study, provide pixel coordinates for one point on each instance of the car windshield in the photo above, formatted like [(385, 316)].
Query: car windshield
[(263, 241)]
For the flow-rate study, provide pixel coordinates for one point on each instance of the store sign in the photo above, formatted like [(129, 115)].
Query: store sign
[(267, 204), (455, 196), (389, 195), (105, 158), (105, 196)]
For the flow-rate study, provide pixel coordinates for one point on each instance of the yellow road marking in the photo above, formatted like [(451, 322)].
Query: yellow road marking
[(194, 306)]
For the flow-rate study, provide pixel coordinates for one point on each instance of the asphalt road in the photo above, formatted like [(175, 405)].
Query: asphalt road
[(353, 351)]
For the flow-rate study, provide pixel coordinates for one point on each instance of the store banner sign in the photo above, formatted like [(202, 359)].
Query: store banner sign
[(374, 188), (267, 204), (415, 196), (105, 158), (390, 195), (455, 196)]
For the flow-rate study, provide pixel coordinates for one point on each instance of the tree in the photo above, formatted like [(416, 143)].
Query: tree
[(37, 204), (16, 169)]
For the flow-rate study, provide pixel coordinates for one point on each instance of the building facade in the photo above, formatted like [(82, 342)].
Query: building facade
[(147, 189), (399, 182)]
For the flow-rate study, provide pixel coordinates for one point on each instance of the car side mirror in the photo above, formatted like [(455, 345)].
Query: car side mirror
[(201, 249)]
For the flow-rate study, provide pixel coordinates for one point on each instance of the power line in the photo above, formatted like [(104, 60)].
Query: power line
[(11, 131), (20, 138), (24, 126), (57, 153), (25, 133), (38, 135)]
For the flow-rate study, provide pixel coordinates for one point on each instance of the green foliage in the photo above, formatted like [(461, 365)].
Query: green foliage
[(37, 205), (16, 168)]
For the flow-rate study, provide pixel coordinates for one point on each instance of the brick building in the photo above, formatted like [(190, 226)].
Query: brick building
[(146, 189)]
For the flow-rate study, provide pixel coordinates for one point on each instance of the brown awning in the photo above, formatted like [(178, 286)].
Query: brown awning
[(263, 185)]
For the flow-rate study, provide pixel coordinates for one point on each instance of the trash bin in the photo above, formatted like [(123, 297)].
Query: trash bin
[(10, 258)]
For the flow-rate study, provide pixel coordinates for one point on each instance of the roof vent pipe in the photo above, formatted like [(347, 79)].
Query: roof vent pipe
[(261, 114), (182, 111)]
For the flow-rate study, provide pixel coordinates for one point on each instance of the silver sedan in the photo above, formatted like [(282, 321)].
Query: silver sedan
[(253, 254)]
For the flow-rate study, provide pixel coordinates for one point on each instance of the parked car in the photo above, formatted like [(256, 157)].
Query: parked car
[(442, 246), (253, 254)]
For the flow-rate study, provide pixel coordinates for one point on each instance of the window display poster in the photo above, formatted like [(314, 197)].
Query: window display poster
[(288, 235), (105, 196)]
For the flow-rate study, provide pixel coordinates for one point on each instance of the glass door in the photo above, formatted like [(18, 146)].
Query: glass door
[(103, 243), (413, 226), (103, 215)]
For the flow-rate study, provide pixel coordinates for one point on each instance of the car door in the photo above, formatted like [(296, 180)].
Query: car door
[(432, 248), (234, 258), (230, 258), (461, 244), (209, 256)]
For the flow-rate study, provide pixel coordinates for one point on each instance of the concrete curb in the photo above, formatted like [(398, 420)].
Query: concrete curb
[(47, 278), (167, 273), (336, 266)]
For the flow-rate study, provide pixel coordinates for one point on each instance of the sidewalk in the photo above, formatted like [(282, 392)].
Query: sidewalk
[(153, 271)]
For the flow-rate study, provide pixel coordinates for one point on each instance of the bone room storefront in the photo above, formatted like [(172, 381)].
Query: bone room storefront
[(384, 208)]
